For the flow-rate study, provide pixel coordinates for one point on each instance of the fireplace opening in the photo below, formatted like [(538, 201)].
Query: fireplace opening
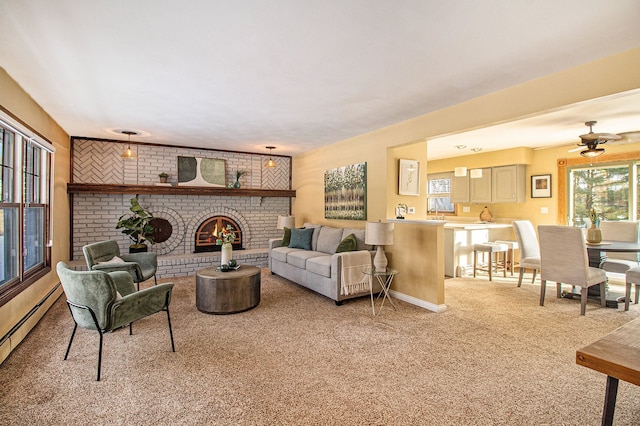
[(208, 233)]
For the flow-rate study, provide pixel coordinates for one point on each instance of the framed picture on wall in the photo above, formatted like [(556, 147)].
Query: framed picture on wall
[(409, 177), (541, 186)]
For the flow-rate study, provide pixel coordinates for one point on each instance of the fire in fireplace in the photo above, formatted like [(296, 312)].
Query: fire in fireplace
[(207, 234)]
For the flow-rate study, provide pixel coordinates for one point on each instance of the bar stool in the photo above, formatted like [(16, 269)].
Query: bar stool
[(511, 261), (492, 249), (633, 277)]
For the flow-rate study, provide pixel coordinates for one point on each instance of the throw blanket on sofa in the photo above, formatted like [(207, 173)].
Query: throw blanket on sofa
[(353, 280)]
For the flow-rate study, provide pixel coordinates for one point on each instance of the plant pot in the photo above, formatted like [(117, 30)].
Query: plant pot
[(594, 235), (236, 184), (138, 248), (163, 179), (226, 253)]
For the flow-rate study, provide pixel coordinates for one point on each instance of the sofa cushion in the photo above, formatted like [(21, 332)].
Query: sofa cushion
[(286, 237), (301, 238), (316, 233), (349, 243), (280, 253), (298, 258), (328, 239), (320, 265), (359, 234)]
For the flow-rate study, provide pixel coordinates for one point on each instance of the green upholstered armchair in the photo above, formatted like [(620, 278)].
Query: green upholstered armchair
[(105, 256), (104, 301)]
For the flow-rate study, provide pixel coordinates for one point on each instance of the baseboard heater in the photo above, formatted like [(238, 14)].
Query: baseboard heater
[(28, 315)]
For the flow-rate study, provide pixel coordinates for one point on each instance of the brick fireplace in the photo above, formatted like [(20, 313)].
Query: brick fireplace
[(181, 216)]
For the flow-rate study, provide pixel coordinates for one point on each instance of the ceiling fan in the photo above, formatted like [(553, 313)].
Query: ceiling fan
[(591, 140)]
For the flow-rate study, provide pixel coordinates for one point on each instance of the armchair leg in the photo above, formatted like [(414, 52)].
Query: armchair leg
[(99, 356), (73, 333), (173, 348), (155, 279)]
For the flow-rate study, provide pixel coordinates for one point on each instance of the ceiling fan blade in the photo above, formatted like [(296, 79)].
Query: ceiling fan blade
[(600, 137), (628, 137)]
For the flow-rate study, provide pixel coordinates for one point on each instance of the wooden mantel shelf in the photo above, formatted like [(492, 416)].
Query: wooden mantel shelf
[(96, 188)]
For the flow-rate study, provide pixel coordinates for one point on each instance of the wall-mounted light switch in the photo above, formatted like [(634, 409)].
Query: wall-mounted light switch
[(411, 210), (544, 210)]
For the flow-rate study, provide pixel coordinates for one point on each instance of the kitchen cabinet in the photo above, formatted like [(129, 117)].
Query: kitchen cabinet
[(508, 184), (502, 184), (480, 188), (459, 189)]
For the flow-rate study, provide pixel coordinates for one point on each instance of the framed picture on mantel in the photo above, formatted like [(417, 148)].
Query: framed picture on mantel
[(541, 186)]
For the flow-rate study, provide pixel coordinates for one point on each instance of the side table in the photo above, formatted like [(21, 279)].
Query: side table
[(230, 292), (385, 278)]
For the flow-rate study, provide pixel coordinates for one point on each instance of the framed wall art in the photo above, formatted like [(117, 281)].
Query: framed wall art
[(409, 177), (196, 171), (345, 192), (541, 186)]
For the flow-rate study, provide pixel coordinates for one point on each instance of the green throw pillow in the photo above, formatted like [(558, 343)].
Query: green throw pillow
[(348, 243), (286, 239), (301, 238)]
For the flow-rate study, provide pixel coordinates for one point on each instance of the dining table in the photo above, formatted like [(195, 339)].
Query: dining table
[(597, 253)]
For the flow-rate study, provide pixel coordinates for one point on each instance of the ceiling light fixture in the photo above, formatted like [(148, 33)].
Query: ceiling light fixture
[(460, 171), (592, 151), (129, 154), (270, 164), (475, 173)]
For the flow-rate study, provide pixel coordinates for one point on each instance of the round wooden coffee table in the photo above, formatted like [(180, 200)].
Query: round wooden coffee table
[(230, 292)]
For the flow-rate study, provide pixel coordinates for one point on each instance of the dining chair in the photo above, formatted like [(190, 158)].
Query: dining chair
[(529, 248), (563, 259), (632, 277), (624, 231)]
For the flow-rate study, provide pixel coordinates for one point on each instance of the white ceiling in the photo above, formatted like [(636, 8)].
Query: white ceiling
[(294, 74)]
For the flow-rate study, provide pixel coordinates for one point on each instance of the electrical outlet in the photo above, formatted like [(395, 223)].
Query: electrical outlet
[(466, 209), (411, 210), (544, 210)]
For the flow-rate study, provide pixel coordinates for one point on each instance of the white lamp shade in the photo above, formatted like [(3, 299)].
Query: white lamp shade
[(286, 222), (378, 234), (460, 171), (476, 173)]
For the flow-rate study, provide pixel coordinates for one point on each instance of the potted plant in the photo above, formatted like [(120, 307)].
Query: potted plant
[(163, 177), (137, 226), (239, 174)]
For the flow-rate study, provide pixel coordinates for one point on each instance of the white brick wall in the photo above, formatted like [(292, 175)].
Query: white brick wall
[(95, 215)]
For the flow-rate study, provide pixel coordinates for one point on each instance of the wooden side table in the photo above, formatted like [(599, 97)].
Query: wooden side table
[(230, 292)]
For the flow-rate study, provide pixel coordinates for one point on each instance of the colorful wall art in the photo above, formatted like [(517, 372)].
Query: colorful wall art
[(345, 192)]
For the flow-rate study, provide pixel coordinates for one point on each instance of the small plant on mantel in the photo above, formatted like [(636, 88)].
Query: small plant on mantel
[(163, 177)]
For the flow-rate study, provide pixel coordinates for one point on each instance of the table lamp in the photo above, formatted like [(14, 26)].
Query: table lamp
[(286, 222), (379, 234)]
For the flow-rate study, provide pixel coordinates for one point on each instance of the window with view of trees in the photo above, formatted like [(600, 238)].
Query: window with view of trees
[(607, 189), (24, 209), (439, 191)]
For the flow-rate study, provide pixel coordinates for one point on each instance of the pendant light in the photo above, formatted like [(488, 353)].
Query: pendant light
[(129, 154), (270, 164)]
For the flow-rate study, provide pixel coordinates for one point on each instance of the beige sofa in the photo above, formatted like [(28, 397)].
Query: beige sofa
[(320, 268)]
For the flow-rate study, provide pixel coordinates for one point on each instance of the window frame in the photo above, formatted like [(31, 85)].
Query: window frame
[(24, 141), (436, 176)]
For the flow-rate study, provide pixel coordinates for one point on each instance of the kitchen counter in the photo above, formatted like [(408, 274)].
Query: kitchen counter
[(476, 225)]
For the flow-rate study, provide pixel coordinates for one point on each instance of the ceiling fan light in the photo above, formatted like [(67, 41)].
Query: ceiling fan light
[(592, 152)]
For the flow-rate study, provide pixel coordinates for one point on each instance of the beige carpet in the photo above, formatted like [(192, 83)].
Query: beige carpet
[(494, 357)]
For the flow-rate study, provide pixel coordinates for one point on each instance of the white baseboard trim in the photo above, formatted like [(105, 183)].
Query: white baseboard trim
[(418, 302)]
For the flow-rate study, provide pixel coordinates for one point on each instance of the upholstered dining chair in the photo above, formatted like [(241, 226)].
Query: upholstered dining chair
[(563, 259), (105, 256), (104, 302), (632, 278), (625, 231), (529, 248)]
